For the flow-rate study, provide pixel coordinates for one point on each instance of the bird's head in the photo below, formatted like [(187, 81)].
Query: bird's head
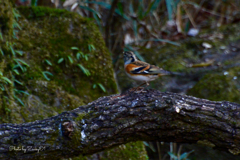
[(129, 57)]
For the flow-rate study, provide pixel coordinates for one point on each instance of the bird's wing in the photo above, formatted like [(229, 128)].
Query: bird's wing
[(139, 67)]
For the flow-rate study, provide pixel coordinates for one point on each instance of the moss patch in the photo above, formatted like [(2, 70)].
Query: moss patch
[(6, 18), (218, 86), (47, 70), (133, 151), (57, 31)]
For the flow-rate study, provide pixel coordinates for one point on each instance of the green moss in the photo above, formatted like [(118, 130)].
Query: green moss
[(7, 25), (80, 158), (218, 86), (132, 150), (80, 117), (66, 73), (46, 36), (75, 138), (165, 57), (38, 12), (6, 18)]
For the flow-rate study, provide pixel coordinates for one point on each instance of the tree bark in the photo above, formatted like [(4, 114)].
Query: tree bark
[(113, 120)]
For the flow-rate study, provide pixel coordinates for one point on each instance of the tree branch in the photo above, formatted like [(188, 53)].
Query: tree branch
[(117, 119), (109, 22)]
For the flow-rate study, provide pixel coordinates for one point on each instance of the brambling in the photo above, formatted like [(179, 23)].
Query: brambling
[(141, 71)]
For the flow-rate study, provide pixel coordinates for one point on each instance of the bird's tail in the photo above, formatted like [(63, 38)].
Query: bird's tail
[(163, 72), (169, 73), (176, 74)]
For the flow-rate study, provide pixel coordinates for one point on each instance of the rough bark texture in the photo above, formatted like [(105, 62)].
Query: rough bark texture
[(117, 119)]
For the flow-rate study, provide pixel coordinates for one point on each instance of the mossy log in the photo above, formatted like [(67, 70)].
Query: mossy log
[(117, 119)]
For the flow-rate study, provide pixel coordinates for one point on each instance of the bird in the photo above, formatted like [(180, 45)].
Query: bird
[(141, 71)]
